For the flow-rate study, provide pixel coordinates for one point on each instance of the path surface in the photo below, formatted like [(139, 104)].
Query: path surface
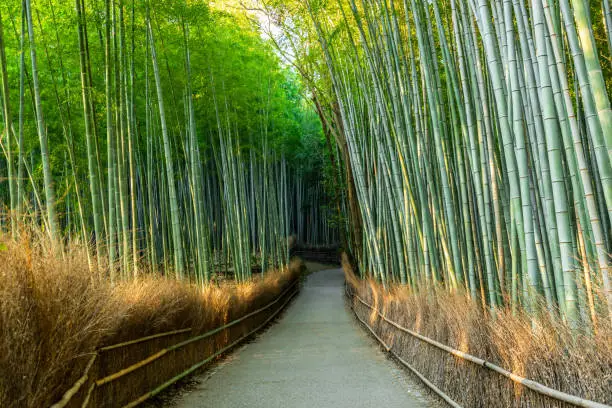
[(315, 356)]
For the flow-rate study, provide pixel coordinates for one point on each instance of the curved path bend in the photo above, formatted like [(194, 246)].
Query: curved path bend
[(315, 356)]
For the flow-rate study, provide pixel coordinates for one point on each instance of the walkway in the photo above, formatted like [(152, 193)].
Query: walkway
[(316, 356)]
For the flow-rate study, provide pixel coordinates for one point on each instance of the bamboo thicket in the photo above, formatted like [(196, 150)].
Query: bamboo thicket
[(478, 137), (164, 146)]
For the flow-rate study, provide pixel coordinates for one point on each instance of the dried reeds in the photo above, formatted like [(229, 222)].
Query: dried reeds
[(54, 313), (544, 350)]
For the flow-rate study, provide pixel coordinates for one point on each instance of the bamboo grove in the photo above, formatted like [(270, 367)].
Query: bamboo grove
[(478, 135), (162, 134)]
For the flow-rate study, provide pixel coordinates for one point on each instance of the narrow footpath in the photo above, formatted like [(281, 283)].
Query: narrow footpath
[(315, 356)]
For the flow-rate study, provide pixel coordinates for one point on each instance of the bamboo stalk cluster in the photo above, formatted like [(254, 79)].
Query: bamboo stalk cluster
[(167, 164), (479, 136)]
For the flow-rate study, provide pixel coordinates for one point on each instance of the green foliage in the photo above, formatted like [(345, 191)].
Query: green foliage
[(231, 64), (144, 179)]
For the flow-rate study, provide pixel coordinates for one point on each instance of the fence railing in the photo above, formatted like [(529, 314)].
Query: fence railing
[(532, 385), (68, 399)]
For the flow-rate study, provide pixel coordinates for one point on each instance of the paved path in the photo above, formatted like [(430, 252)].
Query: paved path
[(316, 356)]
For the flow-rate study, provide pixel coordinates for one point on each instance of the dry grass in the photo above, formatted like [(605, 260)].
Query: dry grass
[(54, 314), (545, 351)]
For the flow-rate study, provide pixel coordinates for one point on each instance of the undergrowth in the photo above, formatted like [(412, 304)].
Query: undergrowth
[(54, 311), (545, 349)]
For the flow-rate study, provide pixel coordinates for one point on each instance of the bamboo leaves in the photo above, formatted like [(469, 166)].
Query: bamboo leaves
[(477, 165), (198, 195)]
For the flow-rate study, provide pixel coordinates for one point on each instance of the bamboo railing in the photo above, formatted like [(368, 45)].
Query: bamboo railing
[(68, 398), (532, 385)]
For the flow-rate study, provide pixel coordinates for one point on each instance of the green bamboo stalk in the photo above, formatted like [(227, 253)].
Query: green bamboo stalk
[(174, 211), (42, 133)]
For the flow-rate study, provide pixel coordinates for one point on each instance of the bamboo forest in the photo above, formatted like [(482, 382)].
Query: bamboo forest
[(318, 176)]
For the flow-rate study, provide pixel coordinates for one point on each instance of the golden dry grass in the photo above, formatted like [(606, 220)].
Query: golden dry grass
[(54, 314), (544, 350)]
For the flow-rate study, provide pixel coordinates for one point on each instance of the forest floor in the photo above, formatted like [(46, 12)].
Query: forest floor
[(315, 356)]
